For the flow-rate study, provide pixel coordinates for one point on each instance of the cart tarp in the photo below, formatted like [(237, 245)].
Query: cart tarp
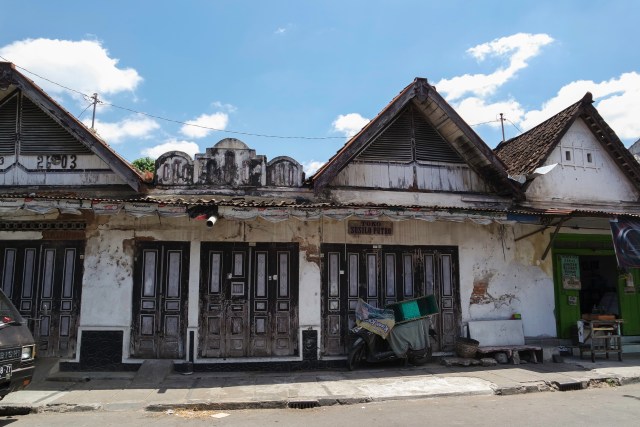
[(409, 336)]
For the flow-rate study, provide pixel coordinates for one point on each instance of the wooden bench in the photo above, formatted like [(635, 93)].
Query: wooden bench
[(503, 336)]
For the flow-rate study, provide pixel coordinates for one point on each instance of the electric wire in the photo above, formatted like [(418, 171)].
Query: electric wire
[(173, 120), (513, 124), (83, 111), (196, 125), (484, 123)]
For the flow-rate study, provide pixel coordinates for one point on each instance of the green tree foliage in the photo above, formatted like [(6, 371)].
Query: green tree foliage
[(145, 164)]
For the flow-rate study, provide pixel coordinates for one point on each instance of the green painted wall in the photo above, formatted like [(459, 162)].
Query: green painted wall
[(629, 300), (566, 313)]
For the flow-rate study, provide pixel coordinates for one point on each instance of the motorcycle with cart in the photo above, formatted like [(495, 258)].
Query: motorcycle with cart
[(400, 331)]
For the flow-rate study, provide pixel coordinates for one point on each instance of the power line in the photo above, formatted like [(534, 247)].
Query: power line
[(513, 124), (96, 101), (484, 123), (219, 130), (167, 119), (44, 78), (83, 111)]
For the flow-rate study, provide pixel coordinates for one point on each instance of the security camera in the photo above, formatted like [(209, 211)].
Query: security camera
[(212, 220)]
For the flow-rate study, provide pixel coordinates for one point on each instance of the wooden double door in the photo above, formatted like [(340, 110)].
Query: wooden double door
[(161, 274), (381, 275), (44, 281), (248, 300)]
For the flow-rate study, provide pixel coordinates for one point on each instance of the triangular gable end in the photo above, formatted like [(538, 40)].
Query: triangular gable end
[(418, 142), (41, 144), (525, 153), (580, 170)]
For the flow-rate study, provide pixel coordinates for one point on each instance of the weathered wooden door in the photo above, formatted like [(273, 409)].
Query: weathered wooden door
[(383, 275), (248, 300), (44, 281), (161, 274), (440, 267)]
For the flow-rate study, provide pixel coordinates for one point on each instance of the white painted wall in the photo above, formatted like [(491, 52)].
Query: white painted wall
[(577, 180), (518, 281), (108, 276), (107, 282)]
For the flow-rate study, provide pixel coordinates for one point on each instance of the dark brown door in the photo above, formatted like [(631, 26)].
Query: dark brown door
[(44, 280), (248, 300), (382, 275), (161, 275), (441, 280)]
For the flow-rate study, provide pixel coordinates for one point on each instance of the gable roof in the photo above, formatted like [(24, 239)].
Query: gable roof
[(12, 80), (435, 110), (525, 153)]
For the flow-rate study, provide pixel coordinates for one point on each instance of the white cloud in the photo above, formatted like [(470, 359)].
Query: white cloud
[(132, 127), (230, 108), (516, 49), (204, 125), (191, 148), (349, 124), (617, 100), (280, 30), (311, 166), (477, 111), (83, 65)]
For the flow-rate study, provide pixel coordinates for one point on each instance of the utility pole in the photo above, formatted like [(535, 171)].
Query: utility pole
[(95, 102), (501, 125)]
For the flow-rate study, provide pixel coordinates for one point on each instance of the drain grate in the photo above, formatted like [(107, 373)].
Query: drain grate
[(303, 404), (569, 386)]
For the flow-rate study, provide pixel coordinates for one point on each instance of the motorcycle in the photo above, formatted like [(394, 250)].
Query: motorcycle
[(409, 341)]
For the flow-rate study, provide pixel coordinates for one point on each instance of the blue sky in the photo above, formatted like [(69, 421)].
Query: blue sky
[(321, 69)]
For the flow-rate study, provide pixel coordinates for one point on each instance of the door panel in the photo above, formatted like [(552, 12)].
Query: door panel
[(384, 275), (160, 300), (44, 280), (248, 300)]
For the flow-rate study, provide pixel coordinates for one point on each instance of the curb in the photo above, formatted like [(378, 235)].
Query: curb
[(305, 403), (12, 410)]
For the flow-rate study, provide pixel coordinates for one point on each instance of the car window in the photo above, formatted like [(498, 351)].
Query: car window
[(8, 312)]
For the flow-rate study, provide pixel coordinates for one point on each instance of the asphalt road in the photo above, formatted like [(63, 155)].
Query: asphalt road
[(619, 406)]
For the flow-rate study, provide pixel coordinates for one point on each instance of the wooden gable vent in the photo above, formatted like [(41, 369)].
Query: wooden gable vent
[(407, 139), (8, 114), (40, 134), (21, 119)]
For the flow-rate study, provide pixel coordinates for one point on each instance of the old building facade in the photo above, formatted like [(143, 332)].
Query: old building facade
[(231, 259)]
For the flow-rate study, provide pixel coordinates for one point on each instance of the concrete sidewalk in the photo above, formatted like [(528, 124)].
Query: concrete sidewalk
[(163, 390)]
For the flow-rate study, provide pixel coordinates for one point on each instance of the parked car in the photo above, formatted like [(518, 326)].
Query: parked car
[(17, 349)]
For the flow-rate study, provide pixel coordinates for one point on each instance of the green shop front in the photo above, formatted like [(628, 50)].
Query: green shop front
[(589, 284)]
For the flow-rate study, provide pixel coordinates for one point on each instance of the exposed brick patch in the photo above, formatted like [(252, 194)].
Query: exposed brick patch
[(479, 294)]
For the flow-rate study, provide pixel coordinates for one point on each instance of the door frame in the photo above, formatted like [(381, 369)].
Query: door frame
[(59, 311), (338, 310), (265, 315), (160, 306)]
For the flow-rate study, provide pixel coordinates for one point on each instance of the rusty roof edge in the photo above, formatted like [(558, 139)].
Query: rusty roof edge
[(133, 178)]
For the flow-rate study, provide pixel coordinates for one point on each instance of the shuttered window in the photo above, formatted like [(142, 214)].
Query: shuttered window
[(40, 134), (8, 114), (393, 144), (408, 138)]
